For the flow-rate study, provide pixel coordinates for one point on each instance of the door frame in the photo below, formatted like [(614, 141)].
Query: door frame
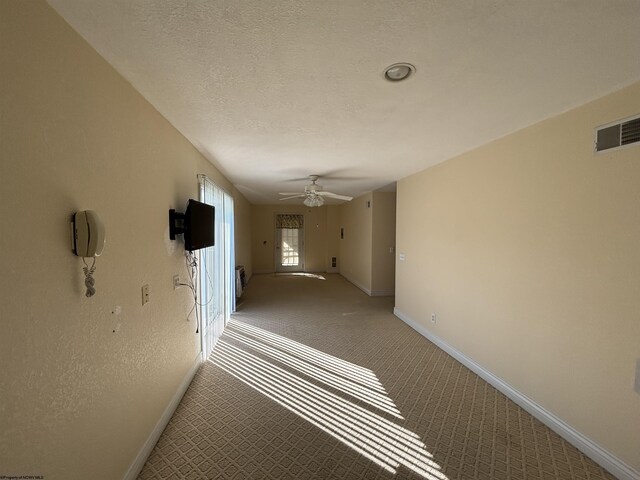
[(276, 245)]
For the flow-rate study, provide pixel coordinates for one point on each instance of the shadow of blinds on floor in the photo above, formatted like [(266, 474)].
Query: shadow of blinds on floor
[(369, 433)]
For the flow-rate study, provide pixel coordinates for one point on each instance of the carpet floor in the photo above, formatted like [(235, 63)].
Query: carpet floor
[(313, 379)]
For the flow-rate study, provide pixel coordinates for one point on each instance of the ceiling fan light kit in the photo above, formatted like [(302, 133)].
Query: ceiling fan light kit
[(313, 194), (314, 201)]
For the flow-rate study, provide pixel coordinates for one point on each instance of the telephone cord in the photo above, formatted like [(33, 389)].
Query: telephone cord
[(89, 281)]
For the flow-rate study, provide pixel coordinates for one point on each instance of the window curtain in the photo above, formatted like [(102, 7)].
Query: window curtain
[(289, 221)]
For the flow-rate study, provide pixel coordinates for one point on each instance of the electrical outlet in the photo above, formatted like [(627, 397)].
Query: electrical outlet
[(176, 282), (401, 257), (433, 318), (146, 294)]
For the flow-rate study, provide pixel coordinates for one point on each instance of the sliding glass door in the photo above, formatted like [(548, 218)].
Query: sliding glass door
[(216, 267)]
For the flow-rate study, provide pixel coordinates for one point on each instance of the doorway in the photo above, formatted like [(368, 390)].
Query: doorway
[(289, 252)]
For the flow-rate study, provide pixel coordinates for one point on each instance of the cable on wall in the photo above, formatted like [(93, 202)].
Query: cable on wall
[(191, 262)]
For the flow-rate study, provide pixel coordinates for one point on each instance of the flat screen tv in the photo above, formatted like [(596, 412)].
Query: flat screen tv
[(197, 224)]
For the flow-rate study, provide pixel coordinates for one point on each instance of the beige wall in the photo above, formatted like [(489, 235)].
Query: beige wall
[(264, 236), (363, 255), (383, 242), (369, 232), (84, 385), (333, 237), (528, 251), (354, 259), (242, 231)]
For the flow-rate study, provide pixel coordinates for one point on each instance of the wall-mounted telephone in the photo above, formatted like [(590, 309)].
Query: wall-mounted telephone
[(87, 234), (87, 240)]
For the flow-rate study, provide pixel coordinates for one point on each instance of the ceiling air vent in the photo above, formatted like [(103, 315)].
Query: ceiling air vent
[(618, 134)]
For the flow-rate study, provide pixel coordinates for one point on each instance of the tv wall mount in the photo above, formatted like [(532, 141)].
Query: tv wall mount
[(176, 224)]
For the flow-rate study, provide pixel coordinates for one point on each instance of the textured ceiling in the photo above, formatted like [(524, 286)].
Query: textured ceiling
[(272, 90)]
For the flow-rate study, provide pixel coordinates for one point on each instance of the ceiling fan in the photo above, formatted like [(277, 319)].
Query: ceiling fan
[(314, 194)]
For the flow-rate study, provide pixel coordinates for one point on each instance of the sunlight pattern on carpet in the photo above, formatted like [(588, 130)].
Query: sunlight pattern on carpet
[(276, 373)]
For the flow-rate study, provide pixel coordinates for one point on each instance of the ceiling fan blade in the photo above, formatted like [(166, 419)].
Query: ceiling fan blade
[(291, 193), (300, 179), (334, 195), (335, 174), (294, 196)]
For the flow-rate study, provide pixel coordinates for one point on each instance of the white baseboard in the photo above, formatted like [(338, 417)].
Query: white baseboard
[(145, 451), (383, 293), (368, 291), (598, 454), (358, 284)]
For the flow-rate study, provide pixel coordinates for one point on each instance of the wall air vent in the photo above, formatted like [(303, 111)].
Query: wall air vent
[(618, 134)]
